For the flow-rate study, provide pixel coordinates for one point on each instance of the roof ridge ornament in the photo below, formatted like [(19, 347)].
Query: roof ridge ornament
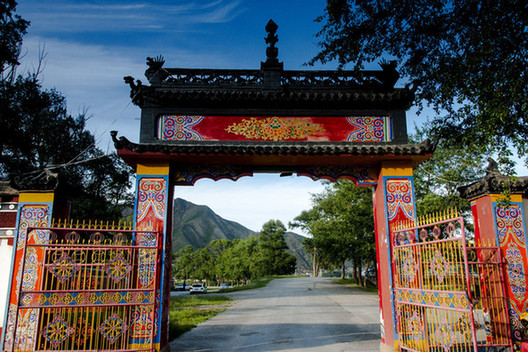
[(272, 69), (272, 52)]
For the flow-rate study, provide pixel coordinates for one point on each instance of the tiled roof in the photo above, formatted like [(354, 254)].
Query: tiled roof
[(276, 148), (494, 183)]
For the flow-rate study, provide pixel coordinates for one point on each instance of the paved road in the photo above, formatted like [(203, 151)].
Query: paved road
[(299, 314)]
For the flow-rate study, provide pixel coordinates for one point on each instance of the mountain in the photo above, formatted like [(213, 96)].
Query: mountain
[(294, 242), (198, 225)]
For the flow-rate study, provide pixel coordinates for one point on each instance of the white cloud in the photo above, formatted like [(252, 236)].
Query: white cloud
[(117, 17), (219, 14)]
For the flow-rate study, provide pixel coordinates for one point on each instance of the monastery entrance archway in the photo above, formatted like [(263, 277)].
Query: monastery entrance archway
[(209, 123), (226, 124)]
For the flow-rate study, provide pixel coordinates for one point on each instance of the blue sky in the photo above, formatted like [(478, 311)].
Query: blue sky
[(91, 45)]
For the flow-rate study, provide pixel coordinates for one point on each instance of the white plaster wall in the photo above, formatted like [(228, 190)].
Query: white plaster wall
[(5, 264)]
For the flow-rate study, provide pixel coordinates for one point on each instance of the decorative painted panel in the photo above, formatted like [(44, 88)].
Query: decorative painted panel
[(453, 300), (30, 215), (187, 175), (360, 175), (511, 237), (399, 199), (370, 129), (274, 128), (151, 213)]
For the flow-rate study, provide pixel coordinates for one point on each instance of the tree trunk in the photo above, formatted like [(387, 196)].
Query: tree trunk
[(343, 270), (365, 279), (357, 272), (360, 270), (315, 264)]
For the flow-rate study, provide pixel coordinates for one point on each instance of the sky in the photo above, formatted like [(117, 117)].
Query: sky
[(89, 46)]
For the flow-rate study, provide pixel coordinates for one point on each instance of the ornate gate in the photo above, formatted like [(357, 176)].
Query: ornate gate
[(449, 292), (86, 289)]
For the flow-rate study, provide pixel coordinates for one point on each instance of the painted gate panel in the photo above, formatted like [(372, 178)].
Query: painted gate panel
[(449, 293), (90, 290)]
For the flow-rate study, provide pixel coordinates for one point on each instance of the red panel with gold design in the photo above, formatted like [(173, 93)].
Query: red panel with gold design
[(274, 128)]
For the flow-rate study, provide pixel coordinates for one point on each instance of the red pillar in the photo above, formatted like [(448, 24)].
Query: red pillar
[(394, 202), (505, 227), (153, 211)]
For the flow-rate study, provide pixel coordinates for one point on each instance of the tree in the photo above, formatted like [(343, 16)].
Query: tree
[(307, 221), (341, 223), (273, 259), (183, 263), (467, 59), (42, 145), (237, 262), (12, 29), (436, 181)]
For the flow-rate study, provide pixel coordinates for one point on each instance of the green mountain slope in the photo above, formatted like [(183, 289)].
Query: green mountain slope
[(198, 225)]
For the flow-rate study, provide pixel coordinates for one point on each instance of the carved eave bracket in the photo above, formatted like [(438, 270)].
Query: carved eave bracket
[(494, 183)]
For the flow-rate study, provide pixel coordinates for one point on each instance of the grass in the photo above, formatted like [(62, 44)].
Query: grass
[(253, 285), (186, 312), (352, 283), (258, 283)]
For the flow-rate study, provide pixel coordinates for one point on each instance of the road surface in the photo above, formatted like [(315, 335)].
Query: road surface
[(298, 314)]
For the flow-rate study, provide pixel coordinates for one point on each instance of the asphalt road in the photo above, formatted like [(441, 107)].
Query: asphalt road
[(298, 314)]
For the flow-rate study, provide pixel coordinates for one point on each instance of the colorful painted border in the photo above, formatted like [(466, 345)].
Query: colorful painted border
[(444, 300), (79, 299)]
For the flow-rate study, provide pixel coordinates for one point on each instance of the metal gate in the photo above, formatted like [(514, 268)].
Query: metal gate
[(87, 289), (449, 292)]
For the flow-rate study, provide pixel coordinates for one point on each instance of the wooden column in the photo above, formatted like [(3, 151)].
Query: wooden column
[(394, 202)]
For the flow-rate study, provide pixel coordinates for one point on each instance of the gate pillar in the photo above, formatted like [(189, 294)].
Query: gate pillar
[(504, 226), (153, 211), (35, 208), (394, 202)]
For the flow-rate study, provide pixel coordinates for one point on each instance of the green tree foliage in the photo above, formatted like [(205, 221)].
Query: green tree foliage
[(466, 59), (341, 223), (184, 263), (436, 181), (273, 259), (240, 260), (41, 141), (12, 29)]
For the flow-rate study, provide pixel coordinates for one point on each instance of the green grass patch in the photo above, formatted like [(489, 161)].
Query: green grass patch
[(353, 283), (258, 283), (186, 312)]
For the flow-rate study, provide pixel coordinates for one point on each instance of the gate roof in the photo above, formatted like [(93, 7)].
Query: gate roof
[(322, 98)]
